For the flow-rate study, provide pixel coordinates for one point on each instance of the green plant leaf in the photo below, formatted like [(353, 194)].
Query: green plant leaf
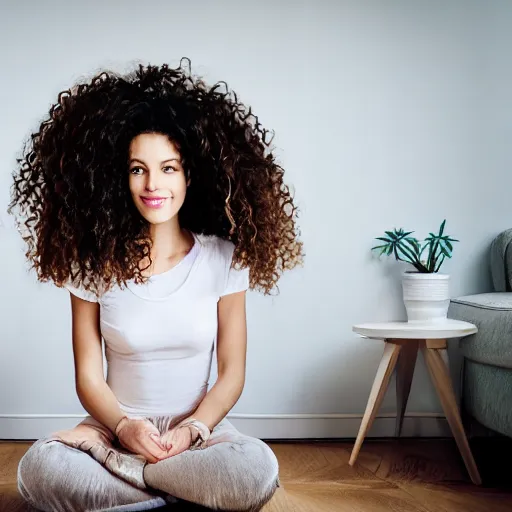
[(413, 243), (391, 235), (444, 251), (439, 265), (442, 227), (410, 256)]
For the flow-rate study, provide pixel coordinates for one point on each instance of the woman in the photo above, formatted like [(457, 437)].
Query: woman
[(155, 201)]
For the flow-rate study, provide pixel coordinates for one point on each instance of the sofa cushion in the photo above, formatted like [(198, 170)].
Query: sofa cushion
[(494, 300), (492, 314)]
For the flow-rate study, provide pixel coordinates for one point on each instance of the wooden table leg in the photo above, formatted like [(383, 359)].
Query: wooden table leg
[(433, 351), (404, 372), (380, 384)]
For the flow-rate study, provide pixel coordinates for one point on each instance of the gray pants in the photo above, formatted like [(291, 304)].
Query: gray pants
[(234, 472)]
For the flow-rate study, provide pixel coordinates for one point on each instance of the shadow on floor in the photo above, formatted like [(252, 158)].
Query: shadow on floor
[(491, 456)]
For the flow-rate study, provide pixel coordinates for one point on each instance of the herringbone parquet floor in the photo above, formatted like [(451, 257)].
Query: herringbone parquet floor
[(393, 475)]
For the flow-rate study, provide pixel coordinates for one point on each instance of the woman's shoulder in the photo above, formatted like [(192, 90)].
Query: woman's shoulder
[(78, 289), (221, 252), (84, 287), (217, 246)]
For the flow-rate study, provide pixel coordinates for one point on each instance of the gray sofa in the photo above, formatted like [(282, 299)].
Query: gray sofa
[(487, 368)]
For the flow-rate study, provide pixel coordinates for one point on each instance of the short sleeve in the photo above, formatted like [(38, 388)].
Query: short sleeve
[(81, 293), (236, 280)]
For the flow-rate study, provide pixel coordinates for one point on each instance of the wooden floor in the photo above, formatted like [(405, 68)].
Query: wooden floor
[(392, 475)]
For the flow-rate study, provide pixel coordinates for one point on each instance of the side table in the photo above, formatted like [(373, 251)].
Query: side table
[(402, 342)]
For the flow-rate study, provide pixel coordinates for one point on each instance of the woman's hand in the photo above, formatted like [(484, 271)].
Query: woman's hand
[(177, 440), (141, 437)]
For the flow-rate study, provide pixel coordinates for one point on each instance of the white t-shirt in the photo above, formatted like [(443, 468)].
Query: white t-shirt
[(161, 285), (159, 336)]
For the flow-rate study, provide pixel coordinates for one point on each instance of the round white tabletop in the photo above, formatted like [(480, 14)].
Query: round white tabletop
[(416, 330)]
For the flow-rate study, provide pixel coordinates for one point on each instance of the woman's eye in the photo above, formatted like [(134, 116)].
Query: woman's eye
[(139, 170)]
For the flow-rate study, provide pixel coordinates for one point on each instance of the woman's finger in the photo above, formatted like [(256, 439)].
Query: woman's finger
[(152, 447), (151, 428), (154, 434), (150, 457), (156, 438), (167, 441)]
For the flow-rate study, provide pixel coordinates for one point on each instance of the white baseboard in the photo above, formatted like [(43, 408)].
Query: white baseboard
[(329, 426), (263, 426)]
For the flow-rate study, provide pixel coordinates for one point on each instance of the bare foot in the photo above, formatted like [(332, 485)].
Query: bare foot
[(82, 433)]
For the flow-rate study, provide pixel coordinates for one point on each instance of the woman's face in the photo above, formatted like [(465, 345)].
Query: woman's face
[(156, 178)]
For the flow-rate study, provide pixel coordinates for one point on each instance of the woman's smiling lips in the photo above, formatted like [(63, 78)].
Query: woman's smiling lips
[(153, 202)]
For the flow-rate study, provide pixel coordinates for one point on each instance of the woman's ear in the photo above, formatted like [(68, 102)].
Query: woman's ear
[(188, 182)]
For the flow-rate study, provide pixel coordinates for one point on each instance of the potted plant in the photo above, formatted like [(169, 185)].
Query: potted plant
[(425, 290)]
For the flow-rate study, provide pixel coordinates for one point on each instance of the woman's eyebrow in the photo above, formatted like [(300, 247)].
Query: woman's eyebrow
[(162, 162)]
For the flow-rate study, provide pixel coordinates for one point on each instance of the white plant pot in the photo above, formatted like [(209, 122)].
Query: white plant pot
[(426, 296)]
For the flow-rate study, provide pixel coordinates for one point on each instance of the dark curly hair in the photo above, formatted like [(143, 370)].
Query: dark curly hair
[(71, 197)]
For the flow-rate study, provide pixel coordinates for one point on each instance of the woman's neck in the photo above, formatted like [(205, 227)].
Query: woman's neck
[(168, 238), (170, 244)]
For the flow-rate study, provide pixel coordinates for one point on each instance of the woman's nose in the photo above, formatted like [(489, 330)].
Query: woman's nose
[(150, 182)]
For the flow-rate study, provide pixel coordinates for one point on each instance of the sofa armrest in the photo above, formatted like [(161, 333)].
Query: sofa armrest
[(501, 261), (492, 314)]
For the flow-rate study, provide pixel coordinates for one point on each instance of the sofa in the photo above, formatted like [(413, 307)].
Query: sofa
[(486, 391)]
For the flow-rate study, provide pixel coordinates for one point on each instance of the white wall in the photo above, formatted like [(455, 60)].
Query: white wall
[(387, 114)]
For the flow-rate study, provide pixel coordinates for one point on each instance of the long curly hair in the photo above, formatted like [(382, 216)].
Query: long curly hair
[(70, 194)]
